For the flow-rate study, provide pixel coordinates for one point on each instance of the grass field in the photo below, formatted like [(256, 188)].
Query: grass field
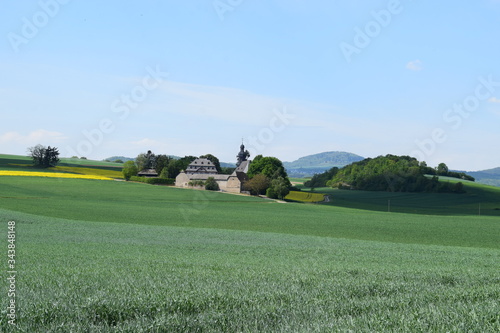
[(106, 277), (479, 199), (122, 202), (113, 256)]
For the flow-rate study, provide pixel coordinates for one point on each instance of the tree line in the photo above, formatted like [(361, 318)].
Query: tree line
[(390, 173)]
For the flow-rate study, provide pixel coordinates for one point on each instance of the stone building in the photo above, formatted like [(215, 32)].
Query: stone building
[(201, 169)]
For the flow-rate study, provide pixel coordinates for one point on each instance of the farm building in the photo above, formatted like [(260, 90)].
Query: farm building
[(148, 173), (201, 169), (149, 170)]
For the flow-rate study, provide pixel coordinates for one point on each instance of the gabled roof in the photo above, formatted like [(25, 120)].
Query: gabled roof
[(201, 165), (148, 173), (243, 167)]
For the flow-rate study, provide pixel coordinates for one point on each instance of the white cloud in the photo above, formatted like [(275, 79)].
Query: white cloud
[(415, 65), (39, 136), (494, 100), (218, 103)]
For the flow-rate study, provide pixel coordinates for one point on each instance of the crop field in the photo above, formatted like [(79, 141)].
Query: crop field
[(107, 173), (20, 163), (305, 196), (51, 175), (478, 200), (113, 256)]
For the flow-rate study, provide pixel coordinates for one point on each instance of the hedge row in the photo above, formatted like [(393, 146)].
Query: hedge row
[(153, 181)]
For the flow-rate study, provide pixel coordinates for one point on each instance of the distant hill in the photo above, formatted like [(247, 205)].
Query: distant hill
[(125, 159), (227, 165), (307, 166), (488, 177)]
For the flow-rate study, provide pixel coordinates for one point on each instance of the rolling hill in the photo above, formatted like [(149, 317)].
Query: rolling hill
[(309, 165), (488, 177), (108, 256)]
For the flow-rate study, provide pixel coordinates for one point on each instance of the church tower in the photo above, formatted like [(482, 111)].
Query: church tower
[(243, 155)]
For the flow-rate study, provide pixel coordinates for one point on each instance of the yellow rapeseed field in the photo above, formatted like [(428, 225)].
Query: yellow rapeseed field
[(305, 196), (51, 174), (90, 171)]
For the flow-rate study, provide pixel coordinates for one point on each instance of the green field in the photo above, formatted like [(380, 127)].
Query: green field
[(16, 162), (112, 256), (478, 200)]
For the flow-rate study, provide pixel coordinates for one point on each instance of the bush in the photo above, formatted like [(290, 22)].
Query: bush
[(153, 180), (258, 184), (129, 170), (211, 184), (271, 194), (280, 187), (196, 183)]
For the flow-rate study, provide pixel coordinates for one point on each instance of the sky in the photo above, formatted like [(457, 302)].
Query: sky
[(288, 77)]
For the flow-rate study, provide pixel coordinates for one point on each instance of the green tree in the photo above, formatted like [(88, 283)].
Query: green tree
[(320, 179), (129, 170), (280, 187), (214, 160), (176, 166), (442, 169), (161, 162), (271, 194), (271, 167), (185, 161), (211, 184), (258, 184), (173, 168), (44, 157), (164, 173), (227, 170), (141, 161), (392, 173)]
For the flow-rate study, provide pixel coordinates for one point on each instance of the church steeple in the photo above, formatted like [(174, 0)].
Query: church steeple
[(243, 155)]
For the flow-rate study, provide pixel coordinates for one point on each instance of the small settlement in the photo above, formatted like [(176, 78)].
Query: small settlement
[(201, 169)]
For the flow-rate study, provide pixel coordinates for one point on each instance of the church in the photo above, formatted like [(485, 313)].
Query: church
[(201, 169)]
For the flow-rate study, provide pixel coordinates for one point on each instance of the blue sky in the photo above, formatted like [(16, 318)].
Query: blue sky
[(290, 77)]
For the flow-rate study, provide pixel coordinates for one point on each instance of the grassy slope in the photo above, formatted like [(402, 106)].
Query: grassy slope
[(422, 203), (7, 160), (163, 262), (107, 277), (110, 201)]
